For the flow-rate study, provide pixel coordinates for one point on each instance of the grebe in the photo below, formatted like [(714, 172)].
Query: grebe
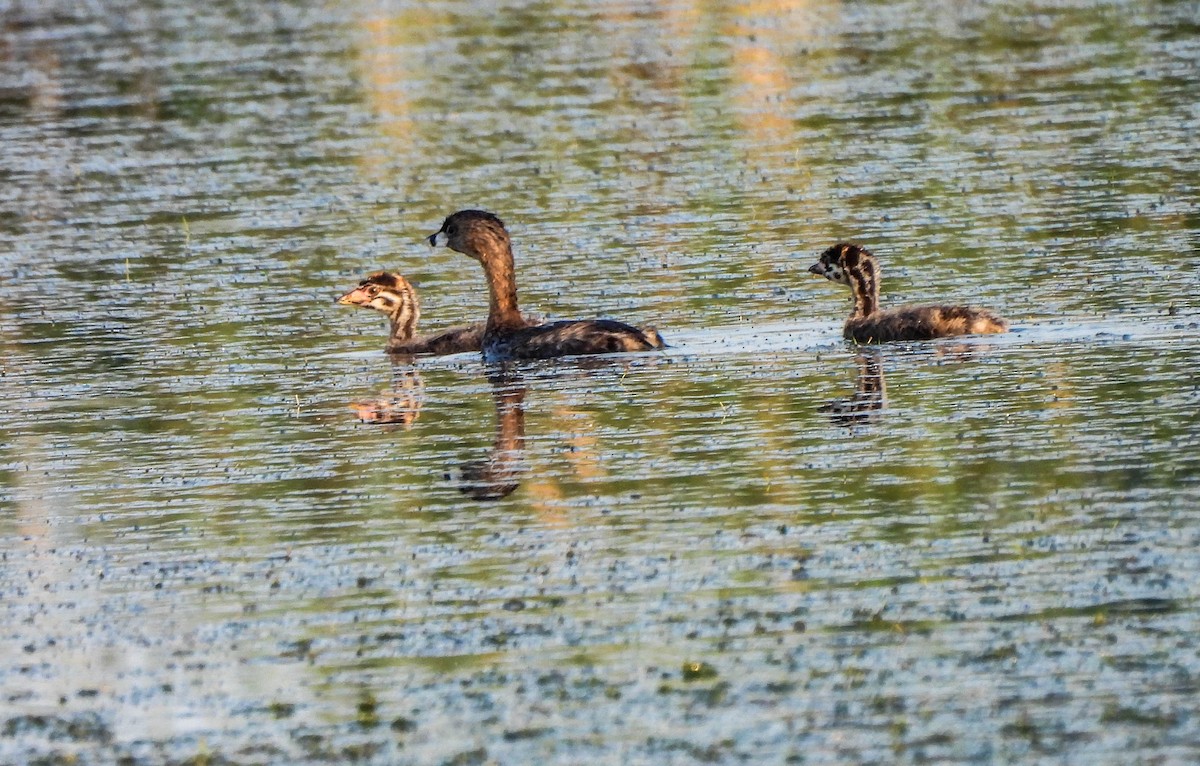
[(854, 266), (394, 296), (508, 335)]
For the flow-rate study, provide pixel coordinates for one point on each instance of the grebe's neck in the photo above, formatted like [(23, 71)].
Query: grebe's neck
[(404, 313), (503, 311), (864, 283)]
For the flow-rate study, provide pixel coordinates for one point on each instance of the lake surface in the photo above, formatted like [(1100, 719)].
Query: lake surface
[(232, 530)]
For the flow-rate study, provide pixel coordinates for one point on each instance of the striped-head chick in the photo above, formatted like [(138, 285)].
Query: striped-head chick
[(854, 266), (392, 295), (837, 262)]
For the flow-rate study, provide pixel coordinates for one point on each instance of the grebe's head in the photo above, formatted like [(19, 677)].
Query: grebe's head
[(387, 292), (836, 263), (474, 233)]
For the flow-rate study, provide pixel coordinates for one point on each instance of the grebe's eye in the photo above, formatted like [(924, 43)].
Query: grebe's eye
[(451, 230)]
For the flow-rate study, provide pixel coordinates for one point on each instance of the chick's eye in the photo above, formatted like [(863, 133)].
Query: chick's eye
[(372, 291)]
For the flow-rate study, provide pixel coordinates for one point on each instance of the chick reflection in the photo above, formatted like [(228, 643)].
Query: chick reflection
[(870, 393), (399, 405), (497, 475)]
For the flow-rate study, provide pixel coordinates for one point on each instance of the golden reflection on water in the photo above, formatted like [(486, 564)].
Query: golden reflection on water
[(388, 76)]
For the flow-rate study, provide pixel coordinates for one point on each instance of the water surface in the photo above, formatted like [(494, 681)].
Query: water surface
[(233, 530)]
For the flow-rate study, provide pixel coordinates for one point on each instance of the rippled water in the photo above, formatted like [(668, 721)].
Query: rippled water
[(234, 531)]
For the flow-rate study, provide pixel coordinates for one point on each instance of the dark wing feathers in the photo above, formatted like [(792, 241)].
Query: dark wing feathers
[(453, 340), (571, 338)]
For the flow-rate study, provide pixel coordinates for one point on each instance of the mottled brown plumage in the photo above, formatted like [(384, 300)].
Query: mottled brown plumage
[(508, 335), (394, 296), (855, 267)]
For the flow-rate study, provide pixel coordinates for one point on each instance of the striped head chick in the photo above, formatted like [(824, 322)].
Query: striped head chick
[(392, 295), (854, 266)]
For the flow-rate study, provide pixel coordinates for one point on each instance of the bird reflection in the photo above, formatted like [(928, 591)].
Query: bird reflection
[(870, 393), (398, 405), (496, 476)]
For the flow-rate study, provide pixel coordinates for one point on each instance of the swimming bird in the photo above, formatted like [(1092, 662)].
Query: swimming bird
[(393, 295), (856, 267), (508, 335)]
